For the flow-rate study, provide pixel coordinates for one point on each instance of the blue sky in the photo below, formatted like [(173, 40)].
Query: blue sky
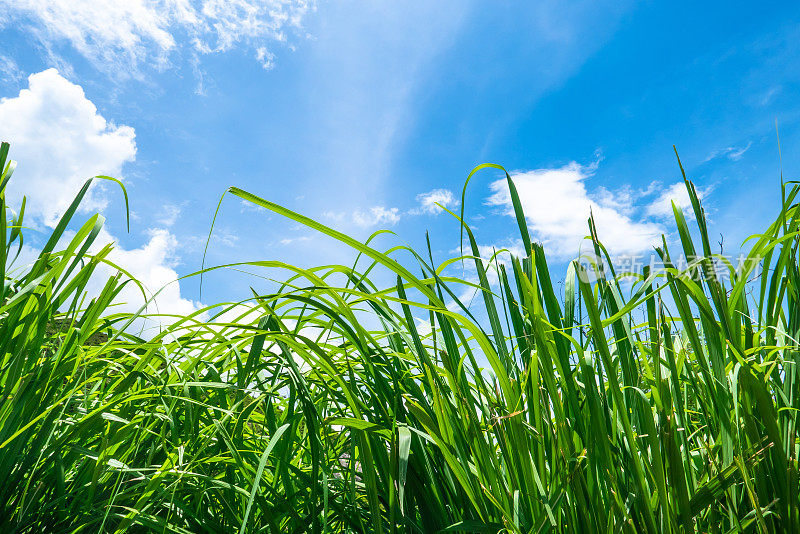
[(351, 112)]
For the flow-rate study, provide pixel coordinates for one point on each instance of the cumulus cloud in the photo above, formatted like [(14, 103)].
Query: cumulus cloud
[(428, 201), (557, 206), (121, 34), (153, 265), (62, 140), (662, 205)]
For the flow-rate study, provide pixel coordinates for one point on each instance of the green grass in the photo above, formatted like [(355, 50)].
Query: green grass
[(671, 406)]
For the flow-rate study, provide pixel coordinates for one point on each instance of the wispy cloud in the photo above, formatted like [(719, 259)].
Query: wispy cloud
[(370, 218), (169, 214), (9, 70), (433, 201), (376, 216), (733, 153), (290, 240), (120, 35)]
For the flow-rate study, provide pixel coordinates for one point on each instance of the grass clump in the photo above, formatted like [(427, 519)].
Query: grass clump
[(322, 406)]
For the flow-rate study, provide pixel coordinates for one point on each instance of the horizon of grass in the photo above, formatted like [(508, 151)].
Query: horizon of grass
[(293, 415)]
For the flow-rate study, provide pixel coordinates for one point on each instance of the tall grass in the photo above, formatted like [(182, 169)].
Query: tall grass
[(668, 406)]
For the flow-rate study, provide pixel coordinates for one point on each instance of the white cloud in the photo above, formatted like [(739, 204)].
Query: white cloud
[(736, 154), (9, 70), (557, 206), (265, 57), (428, 201), (153, 265), (290, 240), (118, 35), (662, 205), (375, 216), (61, 140), (169, 214), (733, 153), (336, 217), (622, 200)]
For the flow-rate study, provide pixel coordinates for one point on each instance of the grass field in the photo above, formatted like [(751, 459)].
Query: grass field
[(668, 405)]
